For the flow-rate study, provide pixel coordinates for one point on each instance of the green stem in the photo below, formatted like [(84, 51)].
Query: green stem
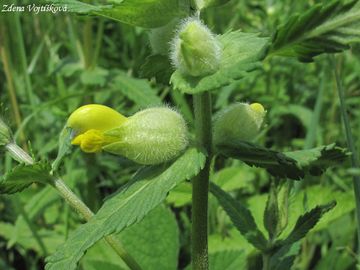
[(266, 261), (202, 109), (76, 203), (355, 163)]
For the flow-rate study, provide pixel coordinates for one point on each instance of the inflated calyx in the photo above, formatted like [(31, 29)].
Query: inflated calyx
[(240, 121), (151, 136), (195, 50)]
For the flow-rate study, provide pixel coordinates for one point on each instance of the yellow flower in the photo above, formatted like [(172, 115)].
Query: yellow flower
[(151, 136), (90, 122)]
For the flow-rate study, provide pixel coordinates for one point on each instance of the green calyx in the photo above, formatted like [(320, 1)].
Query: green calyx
[(240, 121), (151, 136), (195, 50)]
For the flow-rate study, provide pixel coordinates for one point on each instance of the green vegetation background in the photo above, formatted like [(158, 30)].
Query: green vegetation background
[(72, 60)]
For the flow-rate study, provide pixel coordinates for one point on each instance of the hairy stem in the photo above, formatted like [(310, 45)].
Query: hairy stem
[(202, 108), (76, 203), (355, 163)]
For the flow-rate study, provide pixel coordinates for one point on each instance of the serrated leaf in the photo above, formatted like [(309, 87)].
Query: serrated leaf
[(276, 163), (306, 222), (22, 176), (137, 90), (294, 165), (241, 53), (318, 159), (143, 13), (324, 28), (241, 217), (147, 190)]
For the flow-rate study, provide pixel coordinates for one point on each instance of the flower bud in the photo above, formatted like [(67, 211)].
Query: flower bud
[(195, 50), (240, 121), (151, 136)]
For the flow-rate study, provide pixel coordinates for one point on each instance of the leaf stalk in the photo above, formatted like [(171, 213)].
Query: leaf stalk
[(200, 191)]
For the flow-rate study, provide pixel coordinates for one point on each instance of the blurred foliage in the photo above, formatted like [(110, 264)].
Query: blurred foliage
[(71, 60)]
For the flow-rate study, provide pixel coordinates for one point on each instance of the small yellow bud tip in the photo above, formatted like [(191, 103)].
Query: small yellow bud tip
[(257, 107)]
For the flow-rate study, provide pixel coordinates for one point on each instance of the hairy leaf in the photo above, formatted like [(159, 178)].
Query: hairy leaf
[(294, 165), (147, 190), (241, 217), (143, 13), (241, 53), (22, 176), (306, 222), (326, 28)]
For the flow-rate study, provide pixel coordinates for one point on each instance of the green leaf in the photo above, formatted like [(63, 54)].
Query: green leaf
[(22, 176), (242, 53), (95, 76), (154, 242), (5, 134), (294, 165), (322, 29), (227, 260), (78, 6), (318, 159), (157, 66), (25, 237), (241, 217), (306, 222), (284, 257), (64, 147), (315, 195), (271, 213), (143, 13), (147, 190), (137, 90), (181, 195)]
